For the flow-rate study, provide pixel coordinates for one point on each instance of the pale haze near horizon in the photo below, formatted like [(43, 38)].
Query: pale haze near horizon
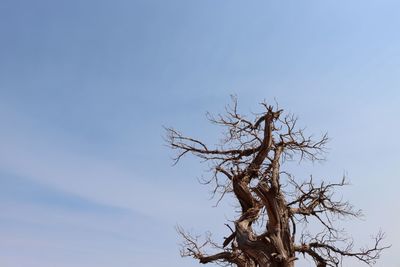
[(86, 86)]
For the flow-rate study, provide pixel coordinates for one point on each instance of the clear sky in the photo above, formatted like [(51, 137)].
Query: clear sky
[(86, 86)]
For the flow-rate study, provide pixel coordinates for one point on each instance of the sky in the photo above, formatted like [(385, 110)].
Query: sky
[(86, 87)]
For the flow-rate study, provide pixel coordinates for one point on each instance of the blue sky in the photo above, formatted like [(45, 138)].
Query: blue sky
[(86, 86)]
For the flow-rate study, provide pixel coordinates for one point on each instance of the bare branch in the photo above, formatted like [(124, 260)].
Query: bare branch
[(319, 202), (324, 251), (247, 164)]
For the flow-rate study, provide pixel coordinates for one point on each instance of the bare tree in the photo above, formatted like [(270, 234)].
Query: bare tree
[(247, 164)]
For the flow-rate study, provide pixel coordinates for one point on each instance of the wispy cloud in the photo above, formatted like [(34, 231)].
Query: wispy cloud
[(36, 155)]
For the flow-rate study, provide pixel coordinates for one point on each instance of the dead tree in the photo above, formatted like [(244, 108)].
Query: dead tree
[(247, 163)]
